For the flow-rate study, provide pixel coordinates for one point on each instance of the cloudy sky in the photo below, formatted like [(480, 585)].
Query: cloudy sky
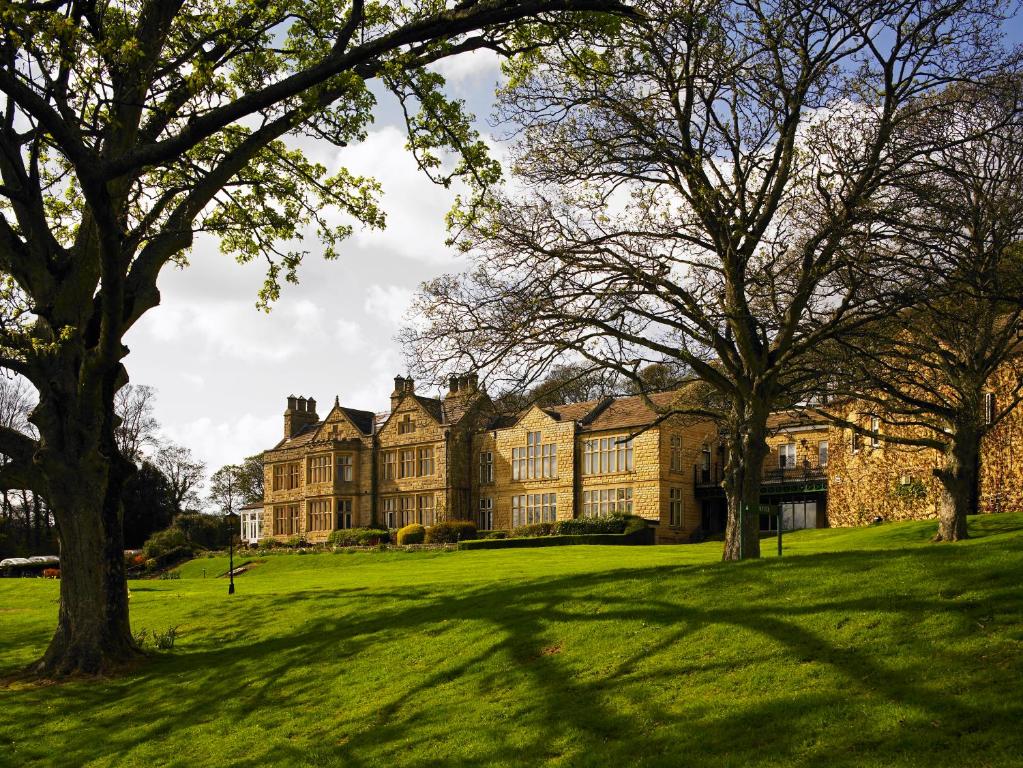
[(222, 369)]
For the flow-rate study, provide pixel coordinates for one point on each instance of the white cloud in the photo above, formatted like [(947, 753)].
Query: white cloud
[(227, 442), (388, 303), (349, 336), (481, 67)]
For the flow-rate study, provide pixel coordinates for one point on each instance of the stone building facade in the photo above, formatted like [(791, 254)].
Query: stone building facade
[(430, 459)]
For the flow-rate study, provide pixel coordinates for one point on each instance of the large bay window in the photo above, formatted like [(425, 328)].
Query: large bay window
[(320, 469), (286, 476), (319, 514), (537, 460), (607, 455), (607, 501), (287, 520), (531, 508)]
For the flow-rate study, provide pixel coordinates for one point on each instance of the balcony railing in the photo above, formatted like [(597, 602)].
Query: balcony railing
[(797, 473)]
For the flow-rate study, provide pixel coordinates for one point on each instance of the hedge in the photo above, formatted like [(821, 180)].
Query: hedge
[(643, 536), (359, 537), (451, 532), (411, 534)]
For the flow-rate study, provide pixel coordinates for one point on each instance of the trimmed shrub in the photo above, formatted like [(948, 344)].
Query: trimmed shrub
[(494, 535), (411, 534), (643, 536), (583, 525), (359, 537), (451, 532), (534, 529)]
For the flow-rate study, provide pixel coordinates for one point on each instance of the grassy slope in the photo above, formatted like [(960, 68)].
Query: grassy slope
[(870, 648)]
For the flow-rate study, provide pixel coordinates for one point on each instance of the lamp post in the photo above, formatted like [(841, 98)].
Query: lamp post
[(230, 561)]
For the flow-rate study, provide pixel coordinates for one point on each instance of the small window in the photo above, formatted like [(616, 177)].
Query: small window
[(875, 432), (822, 453), (855, 441), (344, 467), (676, 453), (485, 519), (787, 455), (408, 463), (675, 507), (344, 513), (406, 425), (989, 408), (425, 456), (486, 467)]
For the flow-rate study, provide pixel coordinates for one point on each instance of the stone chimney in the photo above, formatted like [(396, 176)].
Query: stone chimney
[(299, 414), (462, 390), (396, 393), (452, 385), (410, 384)]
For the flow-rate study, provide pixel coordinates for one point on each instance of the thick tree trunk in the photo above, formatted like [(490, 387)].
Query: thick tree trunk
[(960, 479), (747, 449), (93, 633)]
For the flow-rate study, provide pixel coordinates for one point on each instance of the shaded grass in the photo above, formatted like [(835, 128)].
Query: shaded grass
[(861, 647)]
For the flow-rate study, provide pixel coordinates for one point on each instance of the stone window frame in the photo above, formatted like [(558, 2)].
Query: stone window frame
[(390, 465), (286, 519), (875, 432), (532, 508), (406, 510), (823, 453), (390, 511), (485, 513), (406, 424), (345, 467), (676, 508), (486, 467), (599, 502), (406, 463), (675, 442), (424, 461), (537, 461), (426, 508), (989, 408), (320, 468), (319, 515), (608, 456), (345, 513)]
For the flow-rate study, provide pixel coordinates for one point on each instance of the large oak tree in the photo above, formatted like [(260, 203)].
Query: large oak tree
[(128, 127), (703, 189)]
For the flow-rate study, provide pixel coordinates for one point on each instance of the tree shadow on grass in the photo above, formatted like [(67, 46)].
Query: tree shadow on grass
[(669, 690)]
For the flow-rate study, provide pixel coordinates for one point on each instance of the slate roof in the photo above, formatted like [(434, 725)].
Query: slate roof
[(794, 420), (361, 419)]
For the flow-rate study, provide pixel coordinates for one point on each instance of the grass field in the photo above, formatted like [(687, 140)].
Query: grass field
[(866, 647)]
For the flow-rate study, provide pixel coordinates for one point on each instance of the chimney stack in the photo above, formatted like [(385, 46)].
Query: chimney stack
[(396, 393), (452, 385), (410, 384), (300, 414)]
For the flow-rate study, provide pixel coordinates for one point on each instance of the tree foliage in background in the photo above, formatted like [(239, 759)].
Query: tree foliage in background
[(148, 505), (184, 472), (705, 189), (126, 129)]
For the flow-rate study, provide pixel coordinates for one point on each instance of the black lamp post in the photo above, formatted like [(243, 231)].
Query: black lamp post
[(230, 555)]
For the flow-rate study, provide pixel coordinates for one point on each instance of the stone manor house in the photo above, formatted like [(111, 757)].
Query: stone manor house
[(429, 459)]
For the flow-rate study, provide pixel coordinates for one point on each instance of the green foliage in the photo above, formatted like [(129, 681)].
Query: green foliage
[(358, 537), (450, 532), (411, 534), (534, 529), (162, 542), (583, 525)]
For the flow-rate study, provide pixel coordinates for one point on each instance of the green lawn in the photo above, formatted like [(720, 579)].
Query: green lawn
[(866, 647)]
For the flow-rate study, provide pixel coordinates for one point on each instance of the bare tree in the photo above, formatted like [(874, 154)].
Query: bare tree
[(127, 128), (930, 374), (137, 427), (184, 472), (226, 489), (702, 189)]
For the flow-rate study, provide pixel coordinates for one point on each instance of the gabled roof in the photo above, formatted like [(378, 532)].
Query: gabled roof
[(604, 414), (627, 412), (304, 436), (363, 420)]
